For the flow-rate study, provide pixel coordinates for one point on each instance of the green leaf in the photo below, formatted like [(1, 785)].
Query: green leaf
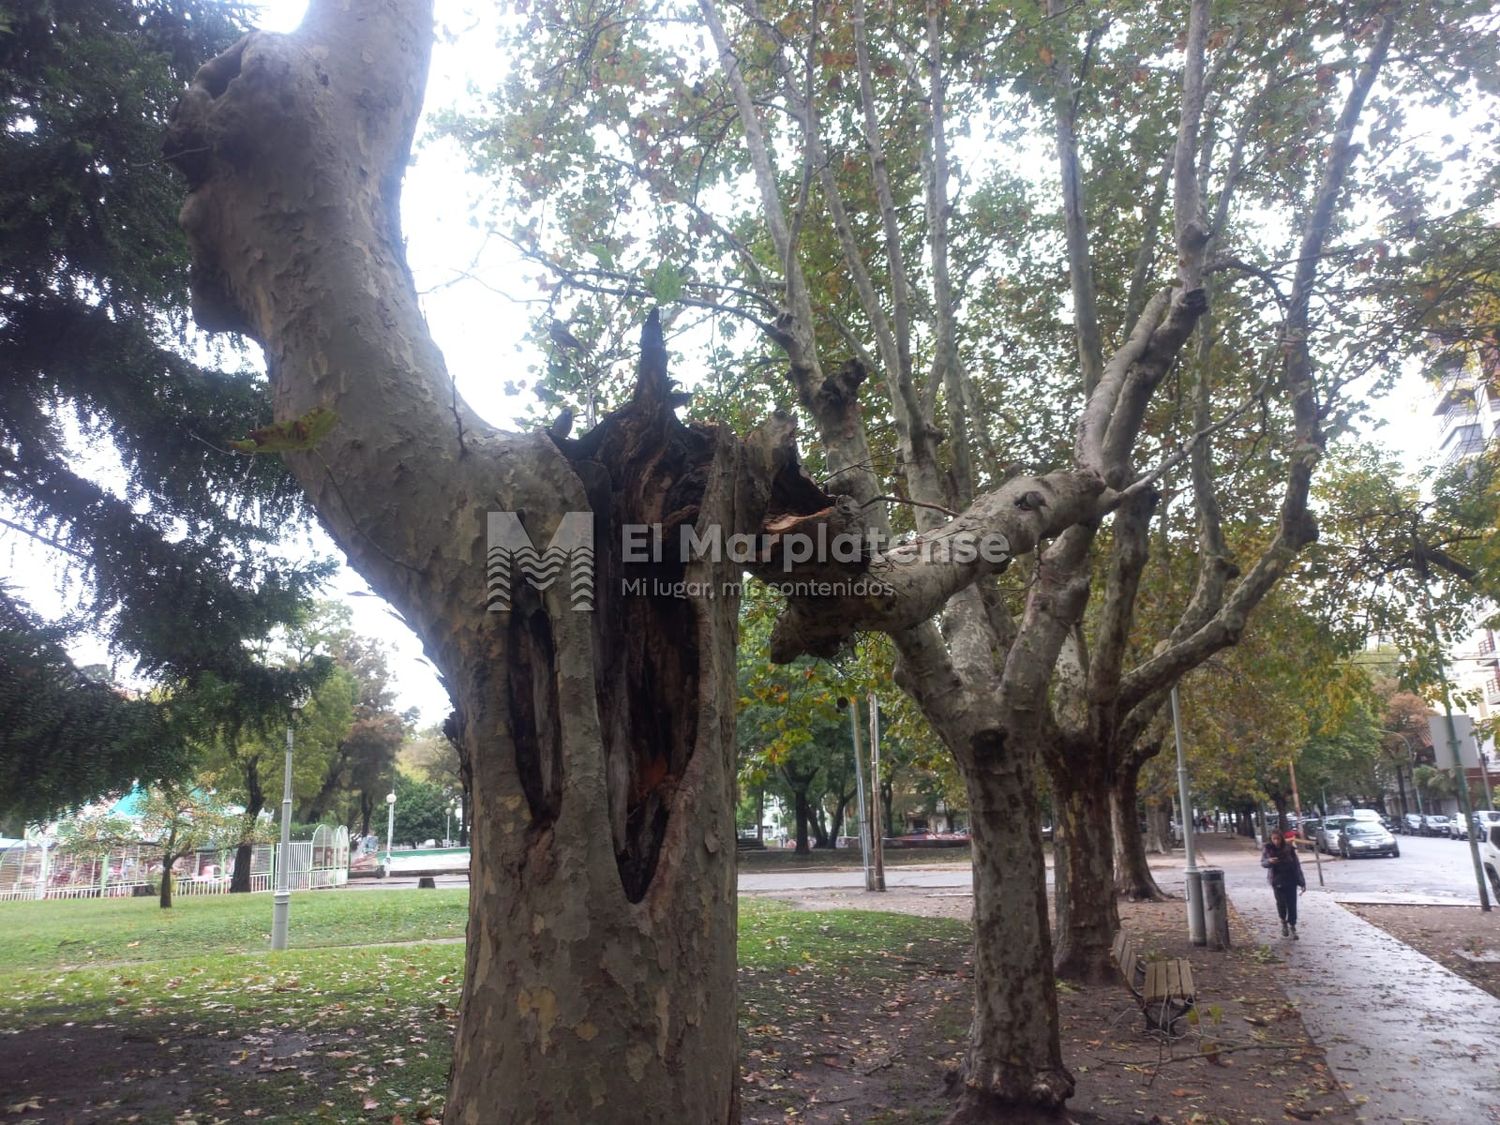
[(666, 283), (291, 436)]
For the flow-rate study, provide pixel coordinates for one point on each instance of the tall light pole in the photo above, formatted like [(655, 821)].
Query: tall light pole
[(281, 908), (390, 827), (852, 702), (877, 841), (1197, 930)]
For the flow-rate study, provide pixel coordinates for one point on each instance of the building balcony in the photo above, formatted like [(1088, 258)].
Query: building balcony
[(1457, 415), (1461, 442)]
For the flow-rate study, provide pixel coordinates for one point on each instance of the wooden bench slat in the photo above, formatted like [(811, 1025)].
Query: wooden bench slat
[(1163, 989)]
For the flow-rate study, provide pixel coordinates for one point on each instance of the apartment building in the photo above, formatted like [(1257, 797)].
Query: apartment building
[(1468, 418)]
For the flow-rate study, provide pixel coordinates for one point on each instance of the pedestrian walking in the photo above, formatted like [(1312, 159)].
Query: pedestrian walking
[(1284, 873)]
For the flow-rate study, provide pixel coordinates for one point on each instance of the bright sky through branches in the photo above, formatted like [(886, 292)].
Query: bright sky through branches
[(475, 293)]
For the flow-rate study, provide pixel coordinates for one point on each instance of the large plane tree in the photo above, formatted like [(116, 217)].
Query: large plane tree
[(600, 745)]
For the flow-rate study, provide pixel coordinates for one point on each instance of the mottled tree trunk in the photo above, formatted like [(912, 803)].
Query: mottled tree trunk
[(1133, 878), (1087, 916), (1013, 1070)]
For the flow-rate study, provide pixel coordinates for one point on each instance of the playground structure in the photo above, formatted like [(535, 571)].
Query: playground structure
[(40, 871)]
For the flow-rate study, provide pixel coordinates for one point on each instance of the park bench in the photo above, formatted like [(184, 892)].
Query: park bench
[(1163, 989)]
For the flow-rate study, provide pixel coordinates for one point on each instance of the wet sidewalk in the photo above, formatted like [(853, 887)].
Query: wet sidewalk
[(1412, 1041)]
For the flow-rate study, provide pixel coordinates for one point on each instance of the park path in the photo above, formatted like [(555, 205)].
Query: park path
[(1413, 1041)]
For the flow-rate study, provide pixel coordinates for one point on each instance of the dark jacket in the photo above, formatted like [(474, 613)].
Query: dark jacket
[(1283, 868)]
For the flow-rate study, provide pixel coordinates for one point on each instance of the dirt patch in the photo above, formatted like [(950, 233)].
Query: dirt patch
[(1463, 939), (143, 1070), (847, 1050)]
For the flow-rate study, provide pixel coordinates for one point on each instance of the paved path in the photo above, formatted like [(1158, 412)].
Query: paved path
[(1415, 1042)]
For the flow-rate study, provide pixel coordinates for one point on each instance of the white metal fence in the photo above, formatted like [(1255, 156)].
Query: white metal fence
[(31, 871)]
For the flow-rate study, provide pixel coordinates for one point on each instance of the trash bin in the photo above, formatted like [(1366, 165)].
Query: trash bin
[(1215, 907)]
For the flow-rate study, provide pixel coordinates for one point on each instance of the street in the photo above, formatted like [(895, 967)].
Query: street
[(1428, 867)]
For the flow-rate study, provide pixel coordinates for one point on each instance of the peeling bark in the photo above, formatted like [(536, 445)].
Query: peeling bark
[(1087, 914), (1014, 1065)]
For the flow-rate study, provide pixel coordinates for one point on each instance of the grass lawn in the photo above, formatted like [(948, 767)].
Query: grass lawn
[(185, 1014), (46, 935)]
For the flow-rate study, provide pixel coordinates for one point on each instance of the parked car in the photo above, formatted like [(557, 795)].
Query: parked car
[(1328, 835), (1365, 814), (1308, 829), (1411, 823), (1489, 856), (1456, 828), (1481, 819), (1434, 824), (1366, 837)]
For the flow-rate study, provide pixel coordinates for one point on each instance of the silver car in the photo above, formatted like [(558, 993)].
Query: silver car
[(1364, 837), (1328, 834)]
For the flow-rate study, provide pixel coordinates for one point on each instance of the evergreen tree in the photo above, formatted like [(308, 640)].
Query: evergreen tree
[(167, 554)]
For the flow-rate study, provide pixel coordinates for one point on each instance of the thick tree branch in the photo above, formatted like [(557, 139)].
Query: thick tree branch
[(832, 401), (292, 205), (921, 462), (1075, 220), (1296, 526), (912, 582), (945, 369)]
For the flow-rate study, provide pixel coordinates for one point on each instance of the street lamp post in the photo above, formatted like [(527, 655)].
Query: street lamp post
[(390, 827), (1197, 927), (281, 908)]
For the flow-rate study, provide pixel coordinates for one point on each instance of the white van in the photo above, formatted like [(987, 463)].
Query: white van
[(1365, 814)]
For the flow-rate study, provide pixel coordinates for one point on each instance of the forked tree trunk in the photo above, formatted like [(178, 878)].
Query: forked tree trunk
[(1087, 916), (1014, 1069), (1133, 878)]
